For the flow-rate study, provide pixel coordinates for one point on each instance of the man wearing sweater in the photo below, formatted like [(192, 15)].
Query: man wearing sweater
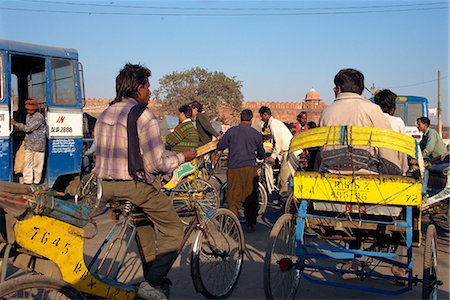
[(203, 124), (184, 136), (244, 144)]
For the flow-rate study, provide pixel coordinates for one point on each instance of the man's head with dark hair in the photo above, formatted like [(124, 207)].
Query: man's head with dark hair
[(265, 109), (422, 124), (349, 80), (186, 110), (196, 105), (386, 100), (246, 115), (424, 120), (312, 124), (131, 83), (265, 113), (302, 117)]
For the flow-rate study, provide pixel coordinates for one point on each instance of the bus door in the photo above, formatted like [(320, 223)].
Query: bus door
[(4, 120), (24, 78), (64, 119)]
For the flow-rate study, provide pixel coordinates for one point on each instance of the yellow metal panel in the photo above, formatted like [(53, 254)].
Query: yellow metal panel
[(63, 244), (381, 138), (316, 137), (368, 189), (355, 136)]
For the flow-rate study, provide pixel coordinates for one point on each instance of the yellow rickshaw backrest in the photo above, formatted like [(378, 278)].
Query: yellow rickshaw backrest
[(354, 136)]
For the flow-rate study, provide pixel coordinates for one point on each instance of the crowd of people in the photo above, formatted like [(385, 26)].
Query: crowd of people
[(131, 155)]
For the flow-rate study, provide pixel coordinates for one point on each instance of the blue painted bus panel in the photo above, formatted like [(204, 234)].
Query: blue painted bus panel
[(64, 157), (4, 159), (27, 49)]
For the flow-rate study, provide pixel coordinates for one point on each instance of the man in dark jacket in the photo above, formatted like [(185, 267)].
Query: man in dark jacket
[(203, 124), (244, 144)]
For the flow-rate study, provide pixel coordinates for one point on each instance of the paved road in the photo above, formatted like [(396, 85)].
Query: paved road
[(250, 284)]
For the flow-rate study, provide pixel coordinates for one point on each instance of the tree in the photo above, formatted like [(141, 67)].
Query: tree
[(220, 95)]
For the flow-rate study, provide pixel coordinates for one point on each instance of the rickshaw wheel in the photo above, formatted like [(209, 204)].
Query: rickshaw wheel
[(292, 204), (430, 268), (281, 278), (89, 193)]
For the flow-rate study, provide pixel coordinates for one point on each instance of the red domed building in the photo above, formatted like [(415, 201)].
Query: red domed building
[(313, 105)]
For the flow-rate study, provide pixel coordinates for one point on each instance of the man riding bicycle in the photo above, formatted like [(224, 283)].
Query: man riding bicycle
[(130, 157)]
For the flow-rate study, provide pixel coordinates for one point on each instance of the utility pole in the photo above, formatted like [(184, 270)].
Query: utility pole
[(373, 89), (439, 108)]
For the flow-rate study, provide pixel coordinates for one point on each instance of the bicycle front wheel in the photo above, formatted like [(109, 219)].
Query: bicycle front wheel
[(281, 278), (198, 189), (90, 193), (217, 255), (38, 287)]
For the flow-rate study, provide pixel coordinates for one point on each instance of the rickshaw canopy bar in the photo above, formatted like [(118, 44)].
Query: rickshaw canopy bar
[(354, 136)]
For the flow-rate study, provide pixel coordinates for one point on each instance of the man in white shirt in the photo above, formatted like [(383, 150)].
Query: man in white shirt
[(281, 138), (386, 101)]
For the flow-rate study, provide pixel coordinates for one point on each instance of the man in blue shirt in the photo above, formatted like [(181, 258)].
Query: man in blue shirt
[(244, 145)]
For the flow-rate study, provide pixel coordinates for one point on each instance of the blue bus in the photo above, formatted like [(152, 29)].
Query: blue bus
[(409, 108), (52, 76)]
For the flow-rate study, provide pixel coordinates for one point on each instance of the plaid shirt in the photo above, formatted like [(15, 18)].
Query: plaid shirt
[(35, 132), (111, 144)]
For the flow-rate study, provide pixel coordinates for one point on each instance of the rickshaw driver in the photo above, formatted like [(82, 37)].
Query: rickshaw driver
[(142, 188), (350, 108)]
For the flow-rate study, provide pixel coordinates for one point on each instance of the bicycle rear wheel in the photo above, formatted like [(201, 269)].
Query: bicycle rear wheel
[(281, 278), (38, 287), (217, 255), (201, 191)]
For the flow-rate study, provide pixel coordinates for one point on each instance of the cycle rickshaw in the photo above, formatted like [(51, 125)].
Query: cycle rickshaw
[(381, 213), (46, 244)]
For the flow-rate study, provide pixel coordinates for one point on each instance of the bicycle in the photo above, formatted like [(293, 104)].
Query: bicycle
[(53, 231), (188, 176), (207, 166)]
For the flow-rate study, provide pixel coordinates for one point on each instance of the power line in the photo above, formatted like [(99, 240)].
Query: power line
[(224, 14), (111, 5), (416, 84)]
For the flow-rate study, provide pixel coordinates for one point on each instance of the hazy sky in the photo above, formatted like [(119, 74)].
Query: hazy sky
[(278, 49)]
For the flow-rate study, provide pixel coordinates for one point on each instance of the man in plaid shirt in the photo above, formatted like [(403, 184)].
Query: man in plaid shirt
[(112, 165)]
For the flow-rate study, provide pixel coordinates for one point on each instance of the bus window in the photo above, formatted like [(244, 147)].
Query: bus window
[(62, 76), (414, 112), (400, 110), (36, 84), (2, 75)]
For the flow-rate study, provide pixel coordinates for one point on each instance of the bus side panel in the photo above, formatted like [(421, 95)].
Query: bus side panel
[(5, 167), (64, 157)]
